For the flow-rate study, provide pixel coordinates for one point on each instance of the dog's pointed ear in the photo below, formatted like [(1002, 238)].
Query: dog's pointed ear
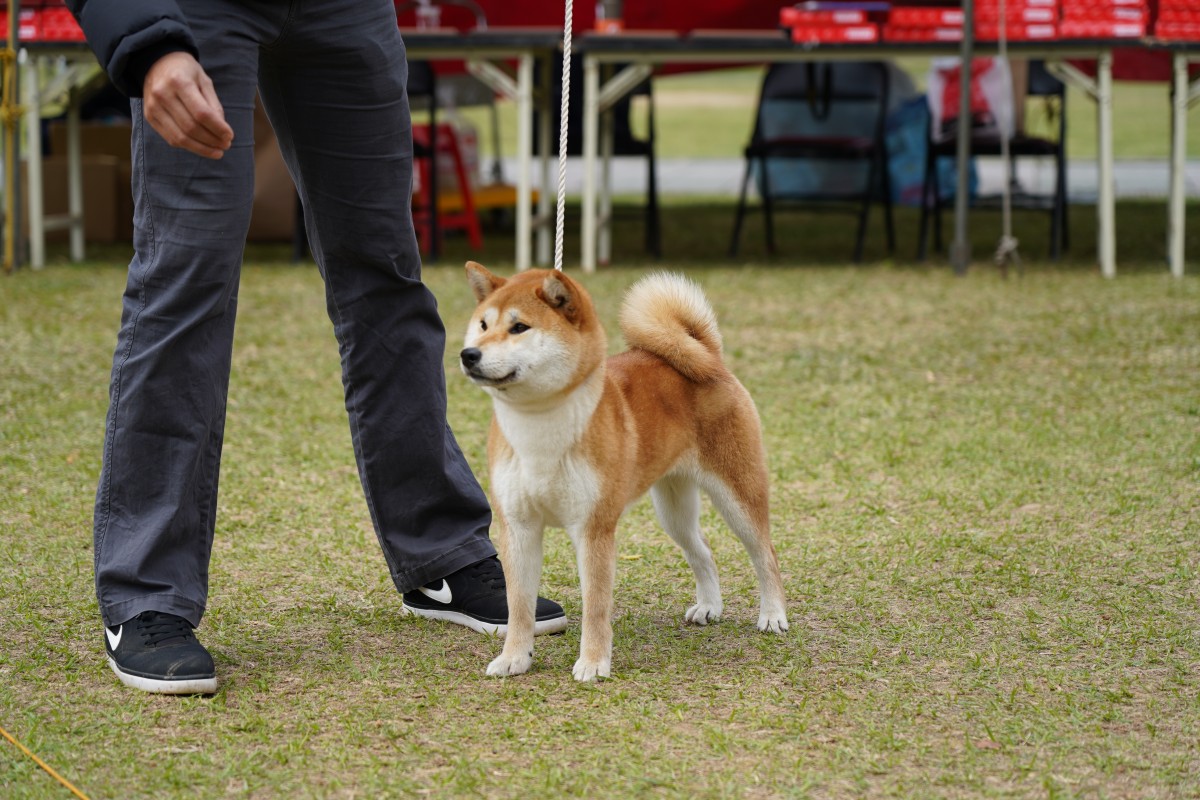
[(558, 293), (483, 283)]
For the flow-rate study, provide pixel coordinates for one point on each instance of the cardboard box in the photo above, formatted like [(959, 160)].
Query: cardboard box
[(95, 139), (273, 218), (102, 190)]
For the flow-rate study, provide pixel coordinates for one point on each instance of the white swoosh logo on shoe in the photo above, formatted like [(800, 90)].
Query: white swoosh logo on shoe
[(114, 639), (442, 595)]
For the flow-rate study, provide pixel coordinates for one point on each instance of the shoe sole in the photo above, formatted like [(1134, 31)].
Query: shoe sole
[(540, 628), (160, 686)]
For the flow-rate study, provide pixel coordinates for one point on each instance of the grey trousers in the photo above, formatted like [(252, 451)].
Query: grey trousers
[(332, 76)]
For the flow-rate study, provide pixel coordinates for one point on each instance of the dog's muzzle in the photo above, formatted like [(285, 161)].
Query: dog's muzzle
[(470, 356)]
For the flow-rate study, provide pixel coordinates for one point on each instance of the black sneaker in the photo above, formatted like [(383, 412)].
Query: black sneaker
[(158, 652), (474, 596)]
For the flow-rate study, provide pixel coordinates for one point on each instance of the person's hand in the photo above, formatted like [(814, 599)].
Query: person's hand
[(180, 103)]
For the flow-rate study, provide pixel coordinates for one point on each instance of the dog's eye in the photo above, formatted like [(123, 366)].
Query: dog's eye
[(483, 325), (518, 327)]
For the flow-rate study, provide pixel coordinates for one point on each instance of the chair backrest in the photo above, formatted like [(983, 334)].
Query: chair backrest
[(1044, 85), (1042, 82), (844, 98), (821, 103)]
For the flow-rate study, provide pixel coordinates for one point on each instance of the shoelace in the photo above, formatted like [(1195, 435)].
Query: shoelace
[(157, 628), (489, 571)]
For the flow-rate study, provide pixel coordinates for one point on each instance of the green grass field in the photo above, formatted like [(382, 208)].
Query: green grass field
[(986, 502)]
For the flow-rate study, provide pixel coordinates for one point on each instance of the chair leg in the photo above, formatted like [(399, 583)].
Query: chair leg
[(926, 198), (937, 211), (740, 214), (863, 214), (1058, 224)]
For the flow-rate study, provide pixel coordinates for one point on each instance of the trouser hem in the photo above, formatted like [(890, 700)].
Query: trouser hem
[(446, 563), (115, 614)]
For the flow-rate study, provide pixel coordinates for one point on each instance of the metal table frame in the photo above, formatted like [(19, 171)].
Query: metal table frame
[(640, 53), (1184, 95), (487, 53)]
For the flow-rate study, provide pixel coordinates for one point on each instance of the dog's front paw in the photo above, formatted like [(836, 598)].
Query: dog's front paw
[(773, 623), (510, 665), (592, 670), (704, 613)]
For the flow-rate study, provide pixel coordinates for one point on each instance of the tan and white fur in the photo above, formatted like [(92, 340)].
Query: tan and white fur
[(577, 437)]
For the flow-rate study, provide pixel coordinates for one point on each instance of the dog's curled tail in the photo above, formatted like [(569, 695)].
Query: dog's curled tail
[(668, 315)]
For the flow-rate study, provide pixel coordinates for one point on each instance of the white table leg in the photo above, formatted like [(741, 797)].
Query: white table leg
[(546, 224), (1175, 202), (591, 114), (75, 178), (604, 234), (1106, 207), (33, 134), (525, 165)]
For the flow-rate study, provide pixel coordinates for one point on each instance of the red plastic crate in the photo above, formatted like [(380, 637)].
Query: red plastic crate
[(835, 33), (925, 17), (1029, 14), (904, 33), (29, 25), (1183, 16), (1013, 5), (59, 25), (1178, 31), (53, 23), (1017, 32), (791, 17), (1083, 29), (1075, 5), (1109, 14)]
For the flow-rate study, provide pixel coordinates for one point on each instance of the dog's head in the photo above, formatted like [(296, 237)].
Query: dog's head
[(532, 336)]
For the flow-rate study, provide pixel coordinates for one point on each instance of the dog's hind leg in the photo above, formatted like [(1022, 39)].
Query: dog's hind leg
[(677, 503), (745, 510), (521, 552)]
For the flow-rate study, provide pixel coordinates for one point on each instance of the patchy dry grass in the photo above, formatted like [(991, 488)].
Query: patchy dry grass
[(986, 506)]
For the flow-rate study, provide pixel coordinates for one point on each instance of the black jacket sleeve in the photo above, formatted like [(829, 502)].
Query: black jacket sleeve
[(128, 36)]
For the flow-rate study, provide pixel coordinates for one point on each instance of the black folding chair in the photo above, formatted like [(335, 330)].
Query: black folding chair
[(833, 112)]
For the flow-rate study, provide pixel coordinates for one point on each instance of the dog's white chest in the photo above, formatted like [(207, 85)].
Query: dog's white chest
[(546, 474), (562, 492)]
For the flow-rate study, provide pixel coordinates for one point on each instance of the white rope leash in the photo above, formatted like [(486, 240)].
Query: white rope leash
[(561, 215), (1006, 250)]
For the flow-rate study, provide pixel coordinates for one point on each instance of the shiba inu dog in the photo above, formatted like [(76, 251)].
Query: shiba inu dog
[(577, 437)]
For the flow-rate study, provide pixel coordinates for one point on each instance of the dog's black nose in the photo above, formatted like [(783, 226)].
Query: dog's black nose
[(471, 356)]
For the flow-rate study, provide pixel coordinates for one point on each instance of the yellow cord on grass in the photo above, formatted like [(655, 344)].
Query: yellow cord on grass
[(44, 765)]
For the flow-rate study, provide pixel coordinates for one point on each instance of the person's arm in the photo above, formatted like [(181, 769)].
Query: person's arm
[(148, 51), (130, 36)]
